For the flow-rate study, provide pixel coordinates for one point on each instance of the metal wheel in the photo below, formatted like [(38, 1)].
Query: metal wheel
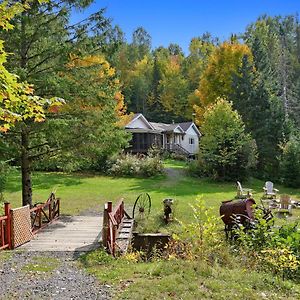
[(142, 206)]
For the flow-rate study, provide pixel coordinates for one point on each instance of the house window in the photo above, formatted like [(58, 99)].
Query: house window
[(191, 141)]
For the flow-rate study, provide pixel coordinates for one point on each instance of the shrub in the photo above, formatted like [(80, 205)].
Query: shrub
[(290, 163), (130, 165), (198, 239), (226, 150), (178, 156), (271, 249)]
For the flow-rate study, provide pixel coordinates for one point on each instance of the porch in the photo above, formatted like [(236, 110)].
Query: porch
[(142, 141)]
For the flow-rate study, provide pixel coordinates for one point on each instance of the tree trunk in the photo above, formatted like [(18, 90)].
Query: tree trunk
[(25, 159), (26, 168)]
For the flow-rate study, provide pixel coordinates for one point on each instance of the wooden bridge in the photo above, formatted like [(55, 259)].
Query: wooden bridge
[(74, 234), (43, 229)]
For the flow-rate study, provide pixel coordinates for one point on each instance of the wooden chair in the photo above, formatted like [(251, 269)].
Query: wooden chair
[(285, 205), (269, 190), (243, 193)]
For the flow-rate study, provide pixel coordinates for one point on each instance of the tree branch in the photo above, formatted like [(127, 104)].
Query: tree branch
[(36, 156), (38, 146)]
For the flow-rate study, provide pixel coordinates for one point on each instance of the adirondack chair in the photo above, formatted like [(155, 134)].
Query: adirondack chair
[(269, 190), (242, 193), (285, 205)]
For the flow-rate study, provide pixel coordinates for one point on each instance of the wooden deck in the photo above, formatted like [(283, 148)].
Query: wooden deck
[(72, 234)]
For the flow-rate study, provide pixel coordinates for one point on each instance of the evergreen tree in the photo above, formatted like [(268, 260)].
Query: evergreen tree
[(43, 44), (261, 116)]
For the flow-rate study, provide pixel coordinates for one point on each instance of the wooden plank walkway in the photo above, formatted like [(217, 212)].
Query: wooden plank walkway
[(72, 234)]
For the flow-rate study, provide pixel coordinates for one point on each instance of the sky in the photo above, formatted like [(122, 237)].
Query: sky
[(178, 21)]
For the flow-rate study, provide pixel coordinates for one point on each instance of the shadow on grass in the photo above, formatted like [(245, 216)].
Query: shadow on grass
[(42, 180), (185, 186), (189, 186)]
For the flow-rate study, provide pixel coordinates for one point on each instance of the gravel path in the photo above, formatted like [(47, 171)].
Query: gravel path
[(22, 277)]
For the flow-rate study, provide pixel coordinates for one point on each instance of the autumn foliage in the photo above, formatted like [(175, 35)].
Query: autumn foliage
[(216, 80)]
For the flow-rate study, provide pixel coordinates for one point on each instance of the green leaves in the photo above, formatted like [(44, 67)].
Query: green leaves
[(225, 148)]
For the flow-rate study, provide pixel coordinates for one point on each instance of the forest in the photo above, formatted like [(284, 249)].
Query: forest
[(68, 90)]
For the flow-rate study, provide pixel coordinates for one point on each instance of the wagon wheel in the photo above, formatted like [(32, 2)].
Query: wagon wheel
[(142, 206)]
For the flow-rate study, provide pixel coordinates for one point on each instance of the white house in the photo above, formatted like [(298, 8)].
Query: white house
[(180, 137)]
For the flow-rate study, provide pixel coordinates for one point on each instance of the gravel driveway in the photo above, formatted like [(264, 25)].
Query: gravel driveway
[(47, 275)]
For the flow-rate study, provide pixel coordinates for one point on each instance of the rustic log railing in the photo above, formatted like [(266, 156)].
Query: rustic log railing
[(111, 220), (5, 227), (44, 213)]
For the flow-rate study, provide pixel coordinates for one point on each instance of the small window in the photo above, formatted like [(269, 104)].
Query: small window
[(191, 141)]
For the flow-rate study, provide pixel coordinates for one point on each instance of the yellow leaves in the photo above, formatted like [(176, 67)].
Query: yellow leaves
[(39, 119), (29, 89), (103, 89), (280, 259), (5, 127), (17, 102), (216, 81), (104, 68)]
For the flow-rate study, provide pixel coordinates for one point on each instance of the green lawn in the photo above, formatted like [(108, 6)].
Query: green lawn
[(79, 192), (159, 279)]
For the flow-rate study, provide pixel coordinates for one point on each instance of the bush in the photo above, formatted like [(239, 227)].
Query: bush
[(178, 156), (227, 152), (271, 249), (290, 163), (199, 239), (130, 165), (198, 168)]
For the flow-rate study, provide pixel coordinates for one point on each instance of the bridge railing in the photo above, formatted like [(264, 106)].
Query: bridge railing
[(44, 213), (5, 228), (112, 218)]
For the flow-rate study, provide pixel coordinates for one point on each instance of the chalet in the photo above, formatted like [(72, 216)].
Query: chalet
[(180, 137)]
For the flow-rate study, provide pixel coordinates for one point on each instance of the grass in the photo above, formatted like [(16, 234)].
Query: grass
[(182, 279), (175, 164), (41, 265), (174, 279), (4, 256), (87, 191)]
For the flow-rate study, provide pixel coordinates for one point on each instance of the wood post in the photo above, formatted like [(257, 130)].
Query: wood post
[(50, 210), (109, 206), (7, 208), (58, 207), (105, 225)]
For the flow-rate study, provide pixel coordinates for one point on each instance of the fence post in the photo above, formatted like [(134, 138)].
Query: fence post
[(105, 225), (7, 208)]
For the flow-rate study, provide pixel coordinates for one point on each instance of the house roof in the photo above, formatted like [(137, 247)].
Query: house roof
[(163, 127), (166, 127), (139, 116), (185, 125)]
